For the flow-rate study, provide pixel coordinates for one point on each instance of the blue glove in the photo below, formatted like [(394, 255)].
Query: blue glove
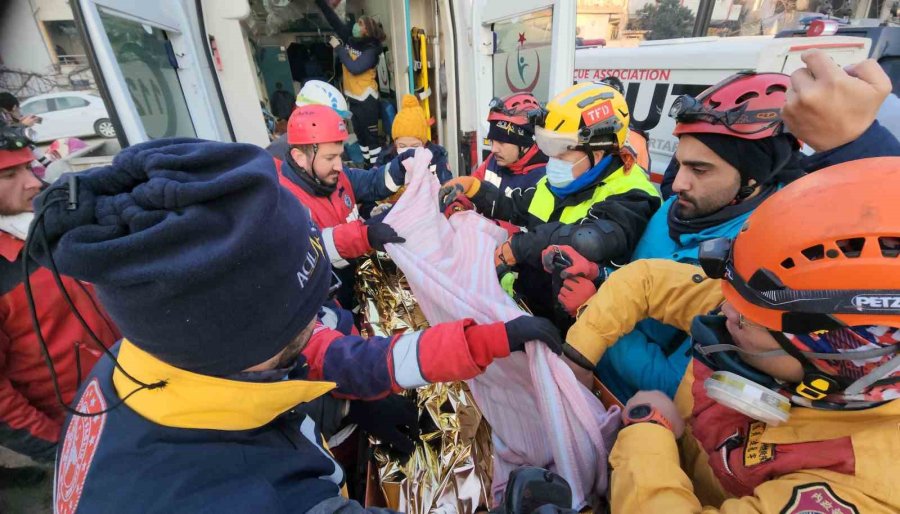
[(395, 167)]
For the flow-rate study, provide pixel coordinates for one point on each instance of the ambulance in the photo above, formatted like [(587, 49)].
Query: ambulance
[(656, 72), (208, 68)]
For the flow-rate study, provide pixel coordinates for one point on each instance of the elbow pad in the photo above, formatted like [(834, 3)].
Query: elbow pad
[(591, 240)]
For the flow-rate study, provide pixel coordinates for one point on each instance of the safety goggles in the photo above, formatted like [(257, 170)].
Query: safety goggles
[(806, 310), (688, 109), (554, 144)]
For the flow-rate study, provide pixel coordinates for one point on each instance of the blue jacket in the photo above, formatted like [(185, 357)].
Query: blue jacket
[(194, 449), (653, 355), (243, 444)]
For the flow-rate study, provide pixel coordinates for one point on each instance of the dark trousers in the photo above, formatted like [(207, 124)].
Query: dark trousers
[(365, 125)]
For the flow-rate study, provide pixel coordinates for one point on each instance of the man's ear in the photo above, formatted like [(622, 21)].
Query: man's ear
[(299, 157)]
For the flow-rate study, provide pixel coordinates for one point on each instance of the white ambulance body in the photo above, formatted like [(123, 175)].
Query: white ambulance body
[(193, 67), (657, 72)]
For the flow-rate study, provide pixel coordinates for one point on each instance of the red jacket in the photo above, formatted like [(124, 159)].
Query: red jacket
[(372, 368), (30, 417), (343, 232)]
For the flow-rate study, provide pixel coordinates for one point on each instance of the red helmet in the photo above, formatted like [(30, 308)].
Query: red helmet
[(515, 108), (314, 124), (746, 105), (11, 158)]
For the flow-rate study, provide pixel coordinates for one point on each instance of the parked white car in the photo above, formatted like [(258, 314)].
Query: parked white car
[(71, 114)]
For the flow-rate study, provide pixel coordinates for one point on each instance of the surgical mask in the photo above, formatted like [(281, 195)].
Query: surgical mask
[(559, 172), (357, 30)]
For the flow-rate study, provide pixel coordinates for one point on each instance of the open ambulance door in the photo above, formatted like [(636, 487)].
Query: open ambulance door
[(521, 46), (153, 68)]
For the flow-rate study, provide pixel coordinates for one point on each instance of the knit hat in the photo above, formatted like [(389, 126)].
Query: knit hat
[(410, 121), (508, 132), (763, 160), (198, 254)]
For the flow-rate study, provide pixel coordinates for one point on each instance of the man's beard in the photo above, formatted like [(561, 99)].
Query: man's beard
[(693, 210)]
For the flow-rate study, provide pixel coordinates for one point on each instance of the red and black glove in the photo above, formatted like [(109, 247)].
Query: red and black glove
[(459, 204), (576, 265), (575, 292), (450, 192)]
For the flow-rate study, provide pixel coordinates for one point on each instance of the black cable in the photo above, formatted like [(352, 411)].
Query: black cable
[(65, 293), (36, 324)]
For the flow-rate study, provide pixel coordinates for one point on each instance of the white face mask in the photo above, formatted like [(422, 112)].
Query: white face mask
[(559, 172)]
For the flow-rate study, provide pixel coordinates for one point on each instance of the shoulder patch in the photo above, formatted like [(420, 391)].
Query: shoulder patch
[(817, 498), (78, 449)]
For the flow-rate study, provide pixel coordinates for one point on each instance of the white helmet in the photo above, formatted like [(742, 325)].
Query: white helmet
[(322, 93)]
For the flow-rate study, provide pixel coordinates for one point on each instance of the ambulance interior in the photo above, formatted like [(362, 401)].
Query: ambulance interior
[(289, 45)]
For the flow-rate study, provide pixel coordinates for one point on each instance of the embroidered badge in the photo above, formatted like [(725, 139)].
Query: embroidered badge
[(817, 498), (79, 447)]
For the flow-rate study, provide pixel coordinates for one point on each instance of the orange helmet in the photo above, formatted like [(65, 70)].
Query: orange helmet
[(818, 264), (820, 254)]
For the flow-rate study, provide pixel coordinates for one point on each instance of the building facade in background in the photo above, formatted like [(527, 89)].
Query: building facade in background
[(40, 49)]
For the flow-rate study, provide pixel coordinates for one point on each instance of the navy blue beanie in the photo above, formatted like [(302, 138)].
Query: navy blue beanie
[(198, 254)]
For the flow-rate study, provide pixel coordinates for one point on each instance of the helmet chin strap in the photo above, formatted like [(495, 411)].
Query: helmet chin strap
[(745, 191), (312, 164), (586, 148)]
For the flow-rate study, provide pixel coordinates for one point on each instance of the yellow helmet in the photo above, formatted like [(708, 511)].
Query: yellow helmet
[(588, 115)]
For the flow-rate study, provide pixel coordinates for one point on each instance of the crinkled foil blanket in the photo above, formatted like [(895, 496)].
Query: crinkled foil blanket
[(450, 469)]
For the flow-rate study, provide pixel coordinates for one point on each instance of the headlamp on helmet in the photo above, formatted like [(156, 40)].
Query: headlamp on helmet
[(14, 137)]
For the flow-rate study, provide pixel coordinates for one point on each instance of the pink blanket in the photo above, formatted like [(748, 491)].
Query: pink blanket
[(539, 413)]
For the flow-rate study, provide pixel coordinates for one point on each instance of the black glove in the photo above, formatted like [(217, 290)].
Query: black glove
[(393, 420), (531, 328), (380, 234)]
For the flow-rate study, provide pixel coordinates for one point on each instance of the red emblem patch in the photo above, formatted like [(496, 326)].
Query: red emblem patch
[(598, 113), (79, 447), (817, 499)]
